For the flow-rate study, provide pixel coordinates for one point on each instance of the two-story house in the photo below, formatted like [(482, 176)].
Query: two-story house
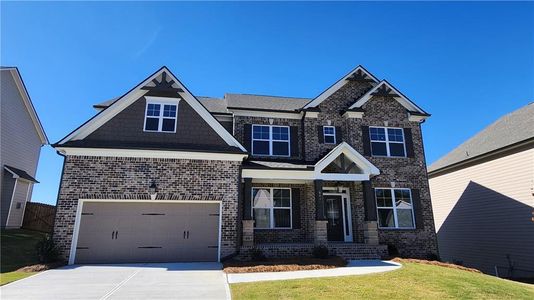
[(162, 175)]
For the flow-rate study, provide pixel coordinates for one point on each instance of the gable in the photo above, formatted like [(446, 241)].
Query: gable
[(345, 160), (357, 75), (160, 84), (386, 90)]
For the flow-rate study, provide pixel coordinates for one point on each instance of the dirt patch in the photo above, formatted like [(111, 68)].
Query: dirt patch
[(41, 267), (435, 263), (283, 264)]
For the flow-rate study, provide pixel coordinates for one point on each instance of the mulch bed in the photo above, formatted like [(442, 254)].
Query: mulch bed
[(435, 263), (41, 267), (283, 264)]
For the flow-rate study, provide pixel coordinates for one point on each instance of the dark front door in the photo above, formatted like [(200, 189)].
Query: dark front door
[(334, 215)]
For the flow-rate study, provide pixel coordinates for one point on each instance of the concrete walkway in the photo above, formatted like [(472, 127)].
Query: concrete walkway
[(124, 281), (355, 267)]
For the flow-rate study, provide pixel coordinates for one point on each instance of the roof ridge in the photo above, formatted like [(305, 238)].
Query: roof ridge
[(262, 95)]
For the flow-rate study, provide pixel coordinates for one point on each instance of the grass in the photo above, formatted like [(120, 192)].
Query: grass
[(18, 250), (412, 281)]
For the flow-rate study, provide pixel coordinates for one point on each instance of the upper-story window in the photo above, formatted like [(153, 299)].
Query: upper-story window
[(160, 117), (387, 141), (395, 209), (270, 140), (329, 134)]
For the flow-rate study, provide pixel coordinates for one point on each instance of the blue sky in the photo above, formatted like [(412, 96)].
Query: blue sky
[(465, 63)]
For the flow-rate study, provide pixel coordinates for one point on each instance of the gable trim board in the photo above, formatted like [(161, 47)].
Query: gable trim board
[(403, 100), (137, 92), (20, 174), (110, 152), (336, 86), (28, 103)]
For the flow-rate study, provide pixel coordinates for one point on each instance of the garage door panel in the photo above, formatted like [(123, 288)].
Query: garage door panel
[(148, 232)]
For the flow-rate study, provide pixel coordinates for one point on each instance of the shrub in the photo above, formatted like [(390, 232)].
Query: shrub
[(392, 250), (320, 252), (257, 254), (47, 249)]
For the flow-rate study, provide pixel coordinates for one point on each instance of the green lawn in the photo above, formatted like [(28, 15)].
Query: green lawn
[(18, 250), (412, 281)]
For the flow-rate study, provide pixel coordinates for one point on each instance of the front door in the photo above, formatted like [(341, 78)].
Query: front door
[(334, 215)]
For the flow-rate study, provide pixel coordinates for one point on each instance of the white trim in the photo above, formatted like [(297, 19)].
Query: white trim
[(16, 176), (367, 167), (394, 208), (25, 202), (28, 104), (416, 118), (162, 102), (329, 134), (336, 86), (353, 114), (312, 114), (345, 199), (281, 175), (266, 114), (11, 202), (387, 141), (271, 140), (272, 208), (150, 153), (137, 93), (409, 105), (74, 241)]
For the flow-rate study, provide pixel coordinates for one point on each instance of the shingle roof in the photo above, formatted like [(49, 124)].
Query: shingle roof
[(510, 129), (20, 173), (265, 102), (243, 101)]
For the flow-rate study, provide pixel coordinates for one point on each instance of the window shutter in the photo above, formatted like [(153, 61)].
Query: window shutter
[(418, 210), (320, 134), (408, 140), (247, 137), (295, 202), (339, 135), (294, 135), (366, 141)]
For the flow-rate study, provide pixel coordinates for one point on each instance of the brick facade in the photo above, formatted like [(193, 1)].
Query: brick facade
[(88, 177)]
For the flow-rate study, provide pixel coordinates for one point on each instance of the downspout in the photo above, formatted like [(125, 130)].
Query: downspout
[(303, 148), (59, 193)]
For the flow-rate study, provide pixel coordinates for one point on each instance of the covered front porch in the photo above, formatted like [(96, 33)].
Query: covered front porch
[(290, 208)]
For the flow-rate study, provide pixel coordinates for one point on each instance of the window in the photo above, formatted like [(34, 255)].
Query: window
[(395, 209), (160, 117), (270, 140), (329, 133), (387, 141), (271, 208)]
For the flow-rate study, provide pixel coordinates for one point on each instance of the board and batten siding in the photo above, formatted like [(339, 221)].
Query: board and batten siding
[(483, 213), (19, 141)]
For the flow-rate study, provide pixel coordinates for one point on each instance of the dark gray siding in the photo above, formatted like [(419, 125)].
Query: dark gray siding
[(127, 127)]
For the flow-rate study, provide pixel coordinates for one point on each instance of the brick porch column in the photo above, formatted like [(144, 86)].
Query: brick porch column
[(320, 235), (248, 222), (370, 226)]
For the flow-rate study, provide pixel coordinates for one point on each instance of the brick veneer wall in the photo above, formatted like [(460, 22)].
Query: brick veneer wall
[(89, 177), (346, 251)]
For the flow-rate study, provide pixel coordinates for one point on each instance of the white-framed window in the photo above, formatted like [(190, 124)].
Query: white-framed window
[(394, 208), (387, 141), (270, 140), (329, 134), (271, 208), (160, 116)]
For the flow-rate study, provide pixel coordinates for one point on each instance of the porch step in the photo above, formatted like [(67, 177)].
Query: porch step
[(346, 250)]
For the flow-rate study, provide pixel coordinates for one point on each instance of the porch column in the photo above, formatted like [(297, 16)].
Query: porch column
[(248, 222), (320, 233), (370, 226)]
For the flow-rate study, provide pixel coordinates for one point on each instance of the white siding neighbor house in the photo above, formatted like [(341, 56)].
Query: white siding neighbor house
[(22, 137), (483, 198)]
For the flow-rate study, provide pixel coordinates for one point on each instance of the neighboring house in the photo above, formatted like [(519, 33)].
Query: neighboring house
[(161, 175), (22, 137), (483, 197)]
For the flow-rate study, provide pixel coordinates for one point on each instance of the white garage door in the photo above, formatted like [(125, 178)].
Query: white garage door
[(120, 232)]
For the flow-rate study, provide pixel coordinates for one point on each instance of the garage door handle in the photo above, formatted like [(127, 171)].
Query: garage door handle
[(184, 234), (113, 235), (116, 234), (188, 234)]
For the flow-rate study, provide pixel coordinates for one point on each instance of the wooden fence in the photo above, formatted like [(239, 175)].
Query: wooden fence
[(39, 217)]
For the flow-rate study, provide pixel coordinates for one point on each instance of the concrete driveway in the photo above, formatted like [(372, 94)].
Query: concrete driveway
[(124, 281)]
